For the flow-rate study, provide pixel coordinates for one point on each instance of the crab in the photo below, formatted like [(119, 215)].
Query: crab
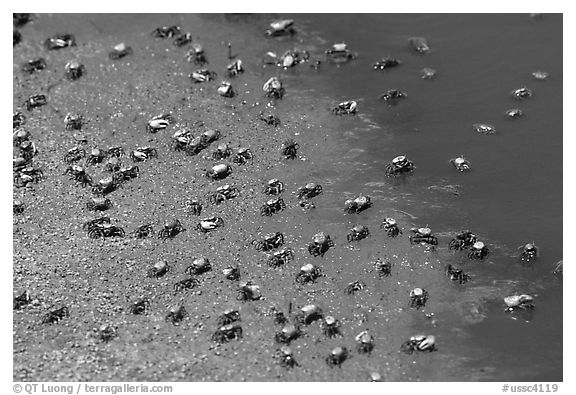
[(462, 241), (273, 187), (231, 272), (270, 241), (242, 156), (19, 163), (187, 283), (346, 108), (98, 204), (119, 51), (292, 57), (55, 316), (184, 39), (194, 206), (460, 163), (198, 266), (195, 145), (309, 191), (28, 150), (17, 207), (126, 174), (223, 151), (159, 269), (308, 314), (34, 65), (289, 149), (105, 230), (280, 258), (95, 223), (514, 113), (171, 229), (392, 96), (528, 252), (234, 68), (272, 206), (143, 153), (74, 155), (423, 235), (176, 314), (166, 31), (364, 342), (331, 326), (74, 70), (35, 101), (287, 334), (337, 356), (308, 273), (181, 139), (386, 63), (18, 119), (269, 119), (203, 75), (357, 205), (419, 343), (418, 298), (141, 306), (22, 300), (281, 27), (159, 122), (339, 53), (484, 128), (384, 269), (521, 93), (285, 357), (354, 287), (60, 41), (113, 165), (478, 251), (519, 302), (357, 233), (20, 136), (106, 185), (222, 194), (321, 242), (143, 231), (219, 171), (209, 224), (456, 274), (196, 55), (248, 291), (73, 121), (427, 73), (419, 44), (225, 89), (107, 332), (28, 175), (273, 88), (227, 317), (391, 227), (115, 151), (210, 136)]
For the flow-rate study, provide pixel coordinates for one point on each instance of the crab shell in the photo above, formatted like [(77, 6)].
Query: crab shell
[(320, 238), (220, 169), (158, 123), (96, 152), (222, 147), (200, 263), (289, 331), (424, 231), (390, 221), (426, 343), (330, 321), (285, 352), (288, 60), (99, 201), (364, 337), (272, 83), (21, 134), (211, 134), (160, 266), (120, 47), (460, 161), (399, 160), (106, 182), (171, 224), (253, 289), (281, 24), (310, 186), (338, 353), (339, 47), (530, 247), (72, 65), (417, 292), (77, 169), (310, 310), (307, 269), (197, 48), (208, 224), (478, 245), (359, 229), (224, 88), (517, 300)]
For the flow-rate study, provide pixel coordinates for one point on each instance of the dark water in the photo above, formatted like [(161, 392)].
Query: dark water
[(512, 196)]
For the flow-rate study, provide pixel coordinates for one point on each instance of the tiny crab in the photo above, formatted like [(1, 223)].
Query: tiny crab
[(143, 153), (242, 156), (194, 206), (423, 235), (219, 171), (227, 317), (285, 357), (28, 175), (272, 206), (384, 269), (74, 154), (331, 326), (209, 224), (223, 193), (427, 73), (273, 88), (273, 187), (289, 149), (225, 89), (462, 241), (113, 164), (141, 306), (198, 266), (22, 300), (339, 53), (521, 93), (309, 191), (391, 227), (116, 151), (119, 51), (209, 136), (248, 291), (143, 231), (281, 27), (197, 55), (234, 68), (270, 241), (478, 251), (203, 75), (74, 70), (386, 63), (346, 108), (35, 101), (34, 65), (528, 252), (73, 121), (287, 334), (460, 163), (269, 119), (337, 356), (95, 223), (321, 243), (166, 31), (418, 298), (126, 174), (107, 332), (105, 230), (484, 128), (55, 316), (181, 139), (98, 204), (187, 283), (184, 39), (18, 119), (354, 287), (60, 41), (159, 269), (456, 274), (519, 302), (357, 233), (176, 314), (357, 205), (171, 229), (105, 186), (392, 96), (223, 151), (419, 44), (159, 122), (280, 258), (514, 113), (364, 342), (231, 272), (308, 314), (308, 273), (17, 207), (419, 343)]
